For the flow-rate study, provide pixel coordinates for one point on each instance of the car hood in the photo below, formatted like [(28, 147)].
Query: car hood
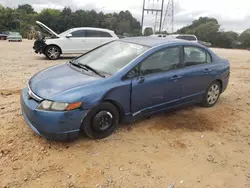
[(46, 28), (57, 79)]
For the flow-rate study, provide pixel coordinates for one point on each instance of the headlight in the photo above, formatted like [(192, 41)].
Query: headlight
[(58, 106)]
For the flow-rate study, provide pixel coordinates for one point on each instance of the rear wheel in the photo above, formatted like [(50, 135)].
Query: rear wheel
[(101, 121), (52, 52), (212, 94)]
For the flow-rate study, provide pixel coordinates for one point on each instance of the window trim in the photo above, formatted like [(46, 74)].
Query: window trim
[(139, 64), (202, 49)]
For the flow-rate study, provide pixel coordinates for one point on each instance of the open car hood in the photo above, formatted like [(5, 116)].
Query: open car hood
[(47, 29)]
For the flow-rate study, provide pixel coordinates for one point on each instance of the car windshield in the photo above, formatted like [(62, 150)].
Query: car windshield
[(14, 34), (65, 32), (112, 57)]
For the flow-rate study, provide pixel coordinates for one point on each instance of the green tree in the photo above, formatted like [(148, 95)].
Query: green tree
[(148, 31), (244, 38), (27, 8)]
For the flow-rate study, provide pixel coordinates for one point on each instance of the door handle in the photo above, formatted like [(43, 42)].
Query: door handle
[(141, 79), (207, 70), (175, 77)]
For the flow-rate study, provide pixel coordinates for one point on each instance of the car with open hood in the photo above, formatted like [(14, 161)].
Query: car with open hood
[(119, 81), (73, 41)]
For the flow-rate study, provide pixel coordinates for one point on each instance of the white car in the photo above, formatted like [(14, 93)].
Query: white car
[(73, 41), (188, 37)]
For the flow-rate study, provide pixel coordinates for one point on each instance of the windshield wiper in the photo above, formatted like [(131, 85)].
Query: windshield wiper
[(73, 62), (85, 67), (92, 69)]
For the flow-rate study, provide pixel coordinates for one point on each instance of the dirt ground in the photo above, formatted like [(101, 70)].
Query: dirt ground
[(194, 147)]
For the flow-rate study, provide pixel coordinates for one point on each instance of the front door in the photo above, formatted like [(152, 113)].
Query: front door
[(76, 43), (158, 85)]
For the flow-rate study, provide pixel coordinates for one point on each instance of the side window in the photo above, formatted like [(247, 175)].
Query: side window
[(104, 34), (92, 33), (78, 33), (196, 56), (161, 61)]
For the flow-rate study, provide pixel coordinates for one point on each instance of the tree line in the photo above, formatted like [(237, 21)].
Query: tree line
[(208, 30), (23, 18)]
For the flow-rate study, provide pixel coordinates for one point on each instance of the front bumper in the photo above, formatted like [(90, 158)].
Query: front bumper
[(39, 46), (50, 124), (14, 39)]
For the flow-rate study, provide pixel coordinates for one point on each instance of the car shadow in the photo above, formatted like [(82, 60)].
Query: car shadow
[(188, 118), (43, 58)]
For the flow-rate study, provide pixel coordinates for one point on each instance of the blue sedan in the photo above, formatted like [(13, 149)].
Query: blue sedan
[(119, 81)]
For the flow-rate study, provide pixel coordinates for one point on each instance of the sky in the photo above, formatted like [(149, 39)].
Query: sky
[(232, 15)]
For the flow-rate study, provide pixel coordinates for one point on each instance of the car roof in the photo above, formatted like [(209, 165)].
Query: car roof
[(92, 28), (154, 41)]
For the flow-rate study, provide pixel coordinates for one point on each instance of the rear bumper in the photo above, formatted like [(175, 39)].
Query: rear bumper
[(49, 124), (225, 82)]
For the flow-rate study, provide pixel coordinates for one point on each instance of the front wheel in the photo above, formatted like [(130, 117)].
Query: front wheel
[(212, 94), (52, 52), (101, 121)]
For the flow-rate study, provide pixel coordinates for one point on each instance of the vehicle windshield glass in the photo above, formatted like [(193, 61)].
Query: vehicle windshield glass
[(63, 33), (112, 57), (14, 34)]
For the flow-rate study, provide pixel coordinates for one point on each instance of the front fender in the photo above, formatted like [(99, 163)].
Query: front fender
[(93, 94)]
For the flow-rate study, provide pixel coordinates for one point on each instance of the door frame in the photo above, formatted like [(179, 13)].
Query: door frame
[(138, 75)]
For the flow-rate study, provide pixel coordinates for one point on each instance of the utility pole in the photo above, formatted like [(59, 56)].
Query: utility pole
[(153, 10), (168, 20), (142, 18), (162, 4), (172, 23)]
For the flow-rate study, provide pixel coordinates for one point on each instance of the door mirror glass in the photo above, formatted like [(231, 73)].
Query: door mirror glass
[(68, 35)]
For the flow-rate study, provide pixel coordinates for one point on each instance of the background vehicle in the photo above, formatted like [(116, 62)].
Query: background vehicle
[(14, 36), (191, 38), (207, 44), (72, 41), (3, 36), (121, 80)]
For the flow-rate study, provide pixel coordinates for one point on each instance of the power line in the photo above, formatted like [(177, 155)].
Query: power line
[(169, 16), (153, 10)]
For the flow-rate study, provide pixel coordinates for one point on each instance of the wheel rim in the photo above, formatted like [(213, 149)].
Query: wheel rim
[(213, 94), (102, 121), (53, 52)]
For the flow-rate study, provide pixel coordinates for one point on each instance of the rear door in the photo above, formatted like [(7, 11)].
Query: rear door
[(95, 38), (199, 71), (158, 85)]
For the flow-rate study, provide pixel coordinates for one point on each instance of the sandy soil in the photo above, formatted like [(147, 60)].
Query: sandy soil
[(194, 147)]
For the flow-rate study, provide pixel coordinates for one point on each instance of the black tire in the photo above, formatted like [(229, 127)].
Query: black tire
[(212, 94), (93, 129), (52, 52)]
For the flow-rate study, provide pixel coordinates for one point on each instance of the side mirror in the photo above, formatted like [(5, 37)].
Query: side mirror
[(68, 35)]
